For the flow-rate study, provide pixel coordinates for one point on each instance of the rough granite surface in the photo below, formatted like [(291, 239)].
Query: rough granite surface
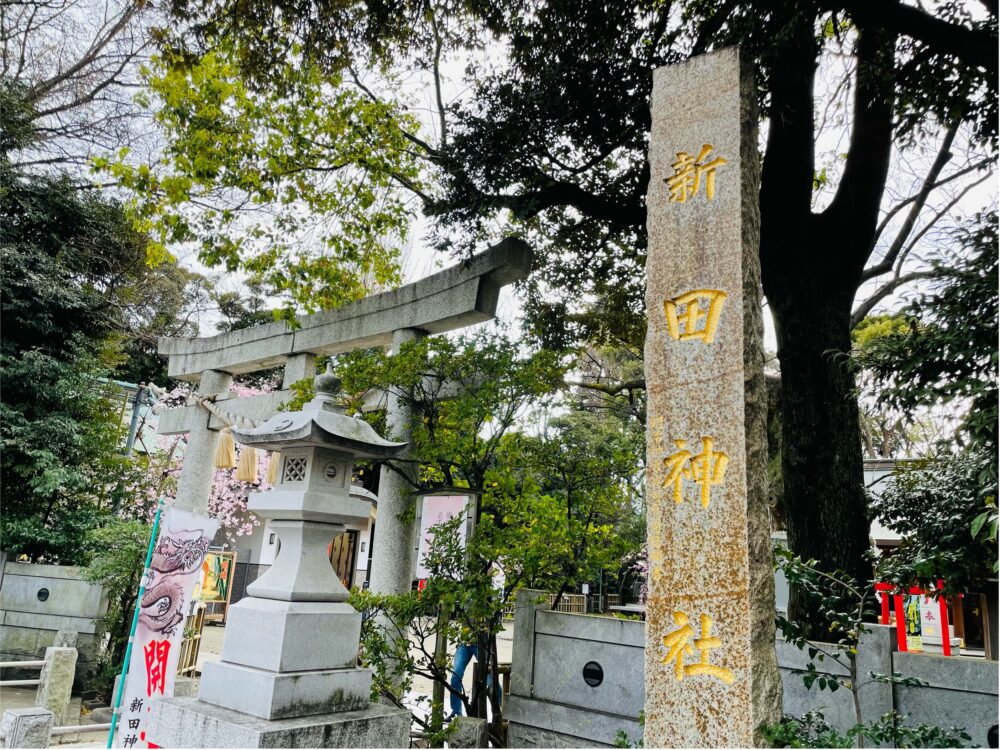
[(56, 682), (469, 733), (187, 722), (26, 727), (198, 470), (707, 560), (394, 561)]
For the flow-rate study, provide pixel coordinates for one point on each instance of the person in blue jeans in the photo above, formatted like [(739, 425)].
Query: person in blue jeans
[(463, 655)]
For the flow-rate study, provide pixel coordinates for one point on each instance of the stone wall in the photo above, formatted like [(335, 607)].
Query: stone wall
[(959, 691), (551, 702), (552, 705), (37, 601)]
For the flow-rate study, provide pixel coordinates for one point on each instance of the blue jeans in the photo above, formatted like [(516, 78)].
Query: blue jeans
[(463, 655)]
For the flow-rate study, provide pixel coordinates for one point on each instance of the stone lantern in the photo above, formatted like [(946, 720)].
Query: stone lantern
[(291, 646)]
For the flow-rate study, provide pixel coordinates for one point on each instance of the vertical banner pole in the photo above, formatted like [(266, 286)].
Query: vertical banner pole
[(135, 621)]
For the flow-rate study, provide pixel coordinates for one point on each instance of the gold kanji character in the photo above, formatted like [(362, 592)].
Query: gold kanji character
[(686, 179), (678, 646), (705, 469), (693, 314)]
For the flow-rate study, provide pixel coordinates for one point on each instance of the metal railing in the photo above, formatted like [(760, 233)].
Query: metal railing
[(80, 729), (76, 729), (37, 664)]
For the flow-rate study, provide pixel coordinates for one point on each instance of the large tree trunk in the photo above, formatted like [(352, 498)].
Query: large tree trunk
[(821, 444), (811, 266)]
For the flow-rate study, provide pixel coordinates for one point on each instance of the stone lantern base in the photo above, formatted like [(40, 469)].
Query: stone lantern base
[(189, 722)]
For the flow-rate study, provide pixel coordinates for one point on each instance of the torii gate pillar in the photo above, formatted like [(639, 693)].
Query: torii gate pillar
[(195, 481), (393, 561)]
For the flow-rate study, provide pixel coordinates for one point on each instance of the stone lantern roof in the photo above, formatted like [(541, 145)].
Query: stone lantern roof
[(320, 423)]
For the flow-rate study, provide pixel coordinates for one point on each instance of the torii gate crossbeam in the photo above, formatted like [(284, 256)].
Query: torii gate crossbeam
[(454, 298)]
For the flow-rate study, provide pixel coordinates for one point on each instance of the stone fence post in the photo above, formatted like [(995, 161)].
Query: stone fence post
[(875, 649), (56, 682), (26, 727), (522, 662)]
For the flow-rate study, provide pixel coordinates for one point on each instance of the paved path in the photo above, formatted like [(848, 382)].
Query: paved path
[(211, 650)]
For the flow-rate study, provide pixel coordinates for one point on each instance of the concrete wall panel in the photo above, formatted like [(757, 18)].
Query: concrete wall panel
[(552, 706), (29, 625), (563, 680)]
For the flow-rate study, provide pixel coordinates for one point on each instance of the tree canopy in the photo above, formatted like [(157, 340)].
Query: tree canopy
[(549, 140), (68, 68), (941, 350), (558, 496), (290, 144), (293, 185), (81, 306), (933, 505), (65, 258)]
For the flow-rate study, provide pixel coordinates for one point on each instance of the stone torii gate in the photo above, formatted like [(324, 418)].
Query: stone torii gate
[(459, 296)]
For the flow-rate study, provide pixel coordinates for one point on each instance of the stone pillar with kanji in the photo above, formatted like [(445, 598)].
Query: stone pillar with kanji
[(711, 673)]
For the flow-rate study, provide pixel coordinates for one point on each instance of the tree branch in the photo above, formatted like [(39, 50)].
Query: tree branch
[(944, 181), (612, 389), (710, 29), (888, 288), (409, 185), (975, 47), (937, 217), (560, 193), (431, 151), (942, 158), (859, 194), (43, 87), (789, 159), (437, 82)]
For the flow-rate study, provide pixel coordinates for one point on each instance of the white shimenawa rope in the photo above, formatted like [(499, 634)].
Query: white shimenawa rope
[(231, 420), (208, 402)]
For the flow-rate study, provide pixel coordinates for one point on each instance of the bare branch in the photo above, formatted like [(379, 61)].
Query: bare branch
[(39, 90), (973, 46), (944, 181), (861, 312), (438, 43), (943, 157), (433, 152), (939, 215)]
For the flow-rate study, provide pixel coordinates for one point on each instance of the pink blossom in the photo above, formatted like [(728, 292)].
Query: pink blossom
[(228, 497)]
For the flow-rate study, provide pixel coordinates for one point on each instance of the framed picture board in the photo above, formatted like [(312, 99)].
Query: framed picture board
[(216, 584)]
